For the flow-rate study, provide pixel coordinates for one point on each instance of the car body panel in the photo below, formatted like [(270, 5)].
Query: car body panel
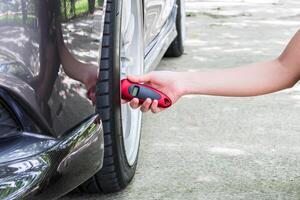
[(59, 145), (29, 36), (157, 13), (37, 167), (159, 45)]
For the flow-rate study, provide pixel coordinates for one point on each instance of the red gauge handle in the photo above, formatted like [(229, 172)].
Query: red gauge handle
[(132, 90)]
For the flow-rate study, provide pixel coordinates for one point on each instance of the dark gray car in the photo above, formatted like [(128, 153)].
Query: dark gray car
[(53, 138)]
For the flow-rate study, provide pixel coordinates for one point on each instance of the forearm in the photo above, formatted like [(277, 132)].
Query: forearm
[(251, 80), (85, 73)]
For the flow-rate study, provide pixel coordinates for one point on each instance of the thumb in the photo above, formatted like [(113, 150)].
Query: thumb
[(139, 79)]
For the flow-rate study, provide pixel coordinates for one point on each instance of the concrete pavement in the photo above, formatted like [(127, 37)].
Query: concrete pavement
[(224, 148)]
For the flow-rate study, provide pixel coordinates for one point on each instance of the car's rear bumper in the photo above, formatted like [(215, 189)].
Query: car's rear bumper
[(38, 167)]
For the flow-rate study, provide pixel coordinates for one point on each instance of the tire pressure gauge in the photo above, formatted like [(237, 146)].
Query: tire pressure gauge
[(132, 90)]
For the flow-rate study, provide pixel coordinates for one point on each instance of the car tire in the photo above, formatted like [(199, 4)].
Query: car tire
[(176, 49), (116, 172)]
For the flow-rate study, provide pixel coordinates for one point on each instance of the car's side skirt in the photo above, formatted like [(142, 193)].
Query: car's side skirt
[(158, 47)]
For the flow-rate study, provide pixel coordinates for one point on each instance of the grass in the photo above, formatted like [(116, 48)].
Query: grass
[(81, 7), (16, 19)]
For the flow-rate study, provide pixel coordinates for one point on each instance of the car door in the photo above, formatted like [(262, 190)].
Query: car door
[(156, 13), (53, 39)]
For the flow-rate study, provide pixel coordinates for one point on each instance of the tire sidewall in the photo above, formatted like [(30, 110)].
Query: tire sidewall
[(176, 48), (179, 27), (126, 171)]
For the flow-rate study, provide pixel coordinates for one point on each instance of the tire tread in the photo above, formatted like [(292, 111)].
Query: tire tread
[(107, 179)]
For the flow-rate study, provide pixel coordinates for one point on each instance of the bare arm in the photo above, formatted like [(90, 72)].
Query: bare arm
[(251, 80), (85, 73)]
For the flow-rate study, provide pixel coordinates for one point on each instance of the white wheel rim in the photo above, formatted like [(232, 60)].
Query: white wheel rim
[(132, 62)]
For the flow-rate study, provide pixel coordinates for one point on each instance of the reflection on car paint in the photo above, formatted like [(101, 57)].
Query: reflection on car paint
[(156, 14), (49, 46), (46, 167)]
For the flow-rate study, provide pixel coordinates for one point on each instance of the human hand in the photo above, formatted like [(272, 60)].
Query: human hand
[(164, 81), (90, 81)]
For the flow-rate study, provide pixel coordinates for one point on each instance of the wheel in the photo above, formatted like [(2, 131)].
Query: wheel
[(122, 54), (176, 48)]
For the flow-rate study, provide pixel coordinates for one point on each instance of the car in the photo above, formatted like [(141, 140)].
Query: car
[(62, 123)]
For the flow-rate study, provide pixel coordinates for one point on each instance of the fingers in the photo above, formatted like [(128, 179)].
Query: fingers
[(91, 94), (134, 103), (146, 105), (123, 101), (155, 108), (139, 79)]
